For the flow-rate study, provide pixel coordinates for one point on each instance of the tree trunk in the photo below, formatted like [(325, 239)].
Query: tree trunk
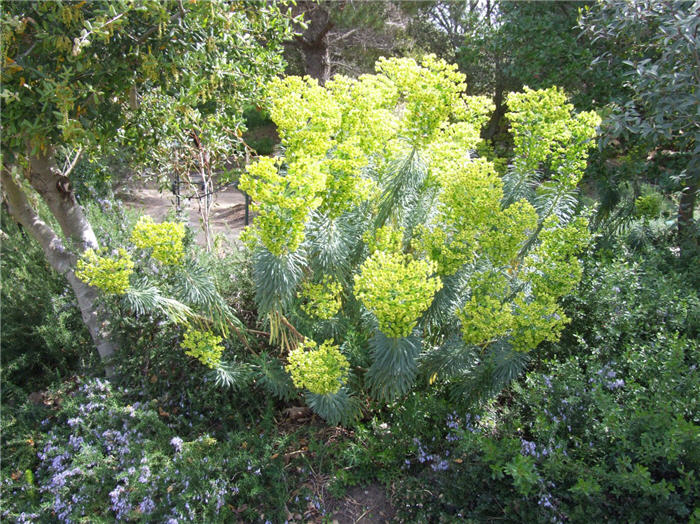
[(686, 207), (317, 61), (55, 190), (499, 112), (313, 42)]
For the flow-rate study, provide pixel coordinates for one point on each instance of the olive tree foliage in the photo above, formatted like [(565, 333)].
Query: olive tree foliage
[(81, 77), (657, 45), (385, 249)]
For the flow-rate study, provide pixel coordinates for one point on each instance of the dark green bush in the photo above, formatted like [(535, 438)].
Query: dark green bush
[(616, 442), (604, 429), (98, 458), (43, 337), (630, 297)]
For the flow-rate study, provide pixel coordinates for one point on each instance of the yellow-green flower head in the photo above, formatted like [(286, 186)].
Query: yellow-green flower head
[(205, 346), (165, 239), (535, 321), (397, 289), (431, 92), (110, 274), (469, 204), (322, 299), (545, 131), (553, 269), (319, 369), (486, 317), (386, 238), (283, 201)]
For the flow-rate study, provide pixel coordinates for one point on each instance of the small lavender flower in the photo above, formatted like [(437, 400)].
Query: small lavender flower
[(145, 474), (545, 501), (615, 384), (527, 447), (177, 442), (147, 506), (440, 466), (120, 505)]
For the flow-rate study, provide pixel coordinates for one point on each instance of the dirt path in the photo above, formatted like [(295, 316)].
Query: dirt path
[(227, 216)]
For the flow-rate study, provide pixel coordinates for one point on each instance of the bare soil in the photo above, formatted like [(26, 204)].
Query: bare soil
[(362, 505), (227, 217)]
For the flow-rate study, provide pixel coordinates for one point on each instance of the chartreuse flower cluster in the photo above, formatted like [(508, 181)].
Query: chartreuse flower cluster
[(430, 93), (527, 318), (547, 133), (205, 346), (319, 369), (165, 239), (321, 300), (486, 317), (553, 267), (110, 274), (397, 289), (331, 134), (282, 201), (385, 238), (470, 203)]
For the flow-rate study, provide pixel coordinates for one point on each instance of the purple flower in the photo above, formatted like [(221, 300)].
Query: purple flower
[(546, 501), (76, 442), (440, 466), (145, 474), (177, 444), (527, 447), (615, 384), (120, 505), (147, 506)]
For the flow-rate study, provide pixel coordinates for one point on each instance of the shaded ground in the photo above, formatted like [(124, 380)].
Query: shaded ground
[(227, 216), (362, 505)]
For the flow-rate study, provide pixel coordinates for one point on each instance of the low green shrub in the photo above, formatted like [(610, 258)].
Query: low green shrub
[(617, 442), (96, 457), (629, 298)]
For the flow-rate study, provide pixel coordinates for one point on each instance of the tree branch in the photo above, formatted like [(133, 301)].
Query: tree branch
[(54, 189), (154, 28), (21, 210), (70, 167)]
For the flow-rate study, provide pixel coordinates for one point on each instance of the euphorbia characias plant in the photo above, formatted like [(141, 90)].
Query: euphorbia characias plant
[(386, 208), (170, 283)]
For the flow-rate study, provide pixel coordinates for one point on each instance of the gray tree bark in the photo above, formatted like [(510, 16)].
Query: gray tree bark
[(54, 189)]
